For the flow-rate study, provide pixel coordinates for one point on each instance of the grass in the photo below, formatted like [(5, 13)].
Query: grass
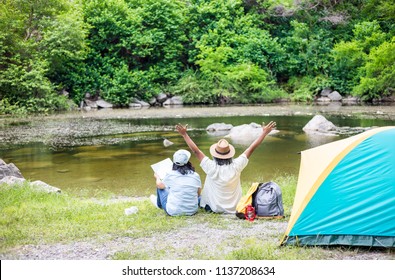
[(32, 217), (29, 216)]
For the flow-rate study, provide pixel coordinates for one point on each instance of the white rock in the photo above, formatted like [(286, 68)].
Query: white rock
[(131, 210)]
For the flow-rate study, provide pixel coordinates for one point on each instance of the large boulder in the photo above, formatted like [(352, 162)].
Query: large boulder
[(10, 175), (12, 180), (219, 129), (320, 125), (335, 96), (245, 134), (103, 104), (90, 103), (161, 97), (42, 186), (175, 100), (9, 170), (137, 103)]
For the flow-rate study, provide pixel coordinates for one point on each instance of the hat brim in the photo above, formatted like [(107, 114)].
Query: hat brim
[(214, 153)]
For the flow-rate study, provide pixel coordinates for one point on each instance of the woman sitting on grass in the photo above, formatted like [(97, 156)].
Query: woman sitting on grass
[(179, 190)]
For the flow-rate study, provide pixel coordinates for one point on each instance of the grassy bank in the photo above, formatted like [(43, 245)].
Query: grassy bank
[(30, 217)]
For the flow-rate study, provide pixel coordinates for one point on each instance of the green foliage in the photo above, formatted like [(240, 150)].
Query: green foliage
[(368, 35), (350, 60), (234, 55), (308, 49), (65, 46), (32, 55), (378, 74), (194, 89), (348, 57), (305, 88), (380, 10), (136, 47), (207, 51)]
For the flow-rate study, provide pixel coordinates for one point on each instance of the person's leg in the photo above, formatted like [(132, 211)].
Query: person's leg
[(162, 198), (208, 208)]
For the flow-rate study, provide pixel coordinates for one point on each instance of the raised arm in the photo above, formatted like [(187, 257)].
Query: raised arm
[(265, 131), (182, 130)]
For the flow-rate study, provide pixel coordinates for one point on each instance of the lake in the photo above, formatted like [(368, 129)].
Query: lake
[(119, 162)]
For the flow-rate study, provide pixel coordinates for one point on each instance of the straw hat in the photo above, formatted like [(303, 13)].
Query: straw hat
[(222, 149)]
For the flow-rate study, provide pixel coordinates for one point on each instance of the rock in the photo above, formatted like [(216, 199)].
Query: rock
[(12, 180), (176, 100), (103, 104), (39, 185), (350, 100), (323, 100), (167, 143), (152, 101), (219, 127), (319, 124), (9, 170), (388, 98), (245, 134), (140, 102), (335, 96), (335, 105), (42, 186), (131, 210), (135, 105), (162, 97), (325, 92), (167, 102), (91, 103)]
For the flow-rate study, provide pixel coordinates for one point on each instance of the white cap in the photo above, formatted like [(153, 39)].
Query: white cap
[(181, 157)]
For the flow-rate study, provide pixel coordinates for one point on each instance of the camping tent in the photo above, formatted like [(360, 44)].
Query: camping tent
[(345, 193)]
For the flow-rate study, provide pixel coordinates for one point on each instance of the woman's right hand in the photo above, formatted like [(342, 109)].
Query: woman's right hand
[(268, 128), (181, 128)]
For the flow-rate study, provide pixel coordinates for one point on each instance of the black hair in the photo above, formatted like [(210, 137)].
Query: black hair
[(223, 161), (185, 169)]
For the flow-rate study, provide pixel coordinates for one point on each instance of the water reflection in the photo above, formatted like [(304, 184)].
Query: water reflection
[(124, 168)]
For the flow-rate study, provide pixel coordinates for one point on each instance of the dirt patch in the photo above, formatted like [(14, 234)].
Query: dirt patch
[(192, 242)]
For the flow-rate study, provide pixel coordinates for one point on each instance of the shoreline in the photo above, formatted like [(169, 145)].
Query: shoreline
[(380, 111), (78, 127)]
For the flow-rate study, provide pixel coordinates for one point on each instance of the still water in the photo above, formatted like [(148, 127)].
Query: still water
[(124, 169)]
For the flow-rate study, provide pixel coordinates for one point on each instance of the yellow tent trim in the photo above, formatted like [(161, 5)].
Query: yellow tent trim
[(357, 139)]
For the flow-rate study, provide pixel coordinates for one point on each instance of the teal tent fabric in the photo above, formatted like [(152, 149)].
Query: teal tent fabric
[(355, 205)]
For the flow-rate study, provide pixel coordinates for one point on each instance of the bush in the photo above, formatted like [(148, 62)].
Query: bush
[(306, 88), (378, 74)]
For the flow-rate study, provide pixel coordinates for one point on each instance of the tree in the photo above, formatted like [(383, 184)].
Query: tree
[(27, 61), (378, 74), (136, 47), (350, 57), (235, 58)]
